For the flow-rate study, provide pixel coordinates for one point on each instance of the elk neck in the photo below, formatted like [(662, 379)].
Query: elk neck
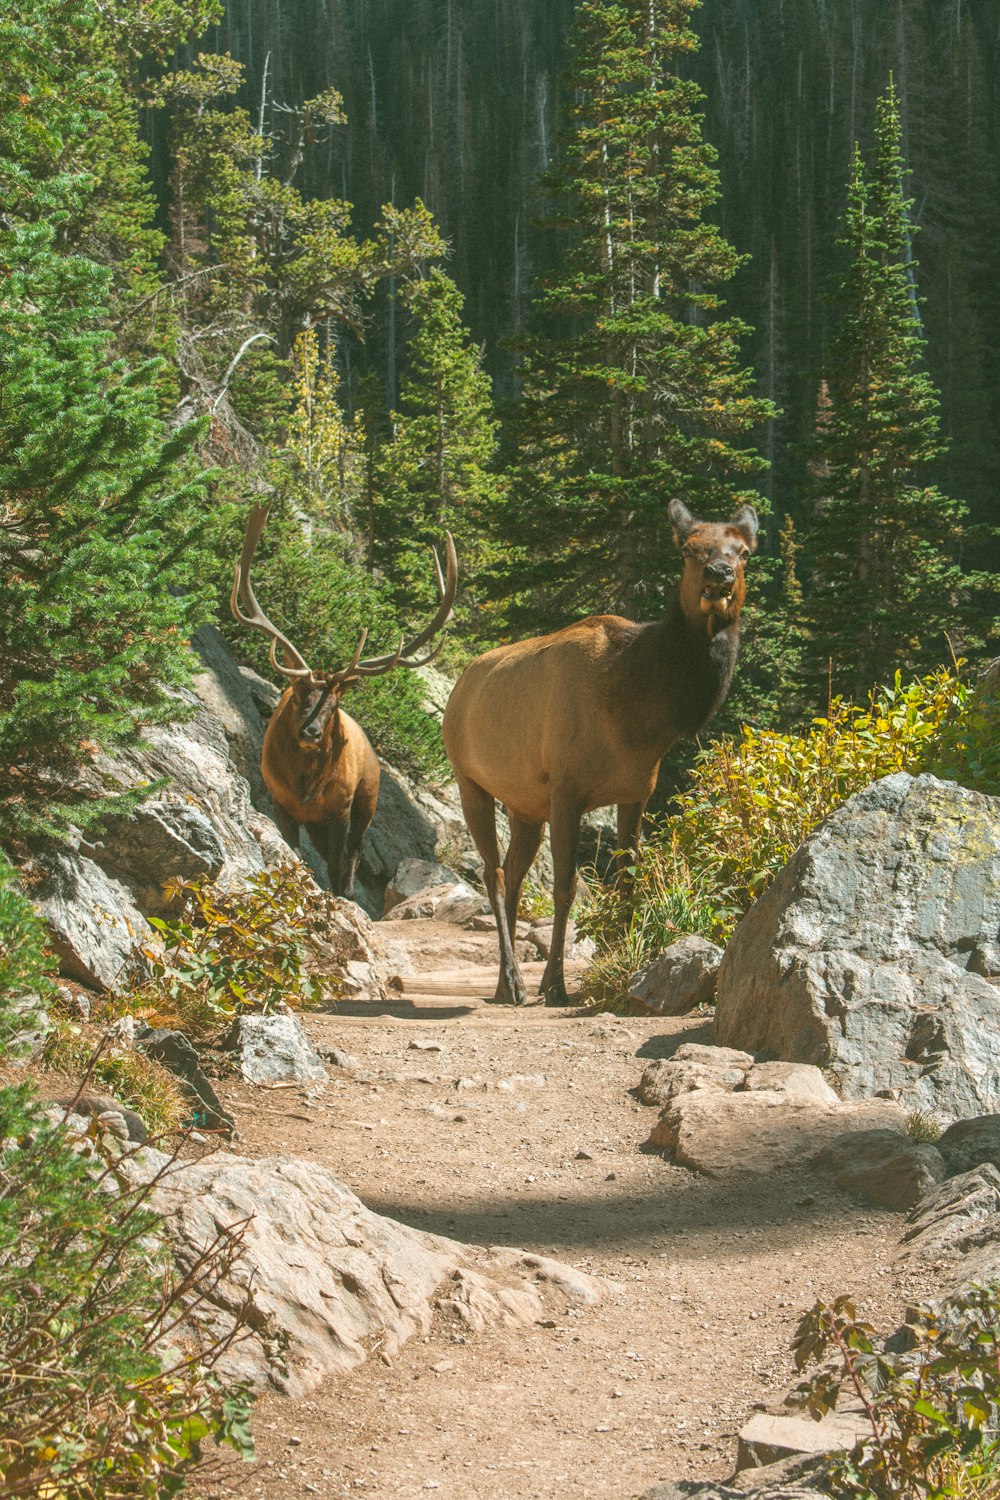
[(676, 673)]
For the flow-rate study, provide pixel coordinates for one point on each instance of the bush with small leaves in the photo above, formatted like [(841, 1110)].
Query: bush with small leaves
[(228, 951), (107, 1388), (933, 1411)]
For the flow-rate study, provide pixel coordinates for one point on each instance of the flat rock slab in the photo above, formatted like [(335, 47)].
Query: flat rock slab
[(760, 1131), (959, 1218), (768, 1439), (326, 1281)]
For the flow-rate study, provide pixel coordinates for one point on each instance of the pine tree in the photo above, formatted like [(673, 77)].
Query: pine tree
[(96, 549), (437, 472), (634, 390), (886, 584)]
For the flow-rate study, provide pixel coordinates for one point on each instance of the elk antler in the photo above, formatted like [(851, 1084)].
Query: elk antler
[(375, 666), (295, 664)]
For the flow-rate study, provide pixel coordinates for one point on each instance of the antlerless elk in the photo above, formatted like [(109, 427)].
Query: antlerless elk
[(555, 726), (317, 762)]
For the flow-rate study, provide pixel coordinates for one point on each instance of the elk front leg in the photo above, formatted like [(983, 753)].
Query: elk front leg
[(337, 830), (480, 816), (564, 836), (287, 827)]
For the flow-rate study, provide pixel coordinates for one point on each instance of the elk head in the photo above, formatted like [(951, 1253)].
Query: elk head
[(316, 695), (715, 556)]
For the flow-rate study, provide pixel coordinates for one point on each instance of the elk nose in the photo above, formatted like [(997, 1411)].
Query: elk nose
[(719, 572)]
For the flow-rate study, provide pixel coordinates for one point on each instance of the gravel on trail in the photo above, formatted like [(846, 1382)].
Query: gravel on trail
[(521, 1127)]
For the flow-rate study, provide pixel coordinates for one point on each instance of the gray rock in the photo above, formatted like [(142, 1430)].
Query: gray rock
[(173, 1051), (801, 1080), (455, 902), (971, 1143), (789, 1479), (857, 957), (102, 1107), (682, 978), (325, 1281), (94, 925), (759, 1132), (713, 1057), (961, 1215), (414, 876), (274, 1049), (666, 1077), (883, 1168), (161, 841)]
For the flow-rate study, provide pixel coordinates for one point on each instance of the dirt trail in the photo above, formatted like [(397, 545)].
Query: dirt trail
[(519, 1128)]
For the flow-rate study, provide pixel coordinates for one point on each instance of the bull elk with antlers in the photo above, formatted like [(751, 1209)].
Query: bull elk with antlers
[(316, 761), (558, 725)]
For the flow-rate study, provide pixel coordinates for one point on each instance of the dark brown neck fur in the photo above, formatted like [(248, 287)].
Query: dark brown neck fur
[(674, 675)]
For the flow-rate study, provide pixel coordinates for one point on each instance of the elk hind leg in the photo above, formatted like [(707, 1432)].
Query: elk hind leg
[(525, 839), (564, 835), (480, 816)]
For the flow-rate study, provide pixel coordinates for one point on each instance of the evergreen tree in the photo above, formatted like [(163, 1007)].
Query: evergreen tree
[(886, 583), (634, 392), (436, 473), (98, 506)]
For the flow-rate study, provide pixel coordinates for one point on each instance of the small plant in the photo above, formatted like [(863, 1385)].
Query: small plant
[(102, 1393), (232, 950), (130, 1077), (923, 1127), (933, 1411), (536, 902)]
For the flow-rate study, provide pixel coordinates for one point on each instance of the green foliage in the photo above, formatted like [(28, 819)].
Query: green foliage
[(933, 1411), (25, 967), (633, 386), (233, 950), (887, 584), (632, 922), (99, 506), (752, 801), (437, 471), (924, 1128), (90, 1404)]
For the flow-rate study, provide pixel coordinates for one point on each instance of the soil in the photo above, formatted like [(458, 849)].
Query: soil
[(520, 1127)]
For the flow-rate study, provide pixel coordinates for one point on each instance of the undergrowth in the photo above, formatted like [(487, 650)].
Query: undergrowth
[(227, 951), (751, 802), (129, 1076), (932, 1412)]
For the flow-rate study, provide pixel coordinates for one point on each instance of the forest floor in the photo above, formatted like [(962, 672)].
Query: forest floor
[(523, 1130)]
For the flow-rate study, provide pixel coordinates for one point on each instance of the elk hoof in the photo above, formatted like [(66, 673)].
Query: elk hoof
[(556, 995), (510, 994)]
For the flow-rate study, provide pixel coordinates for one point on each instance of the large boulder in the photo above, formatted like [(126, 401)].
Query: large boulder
[(94, 924), (323, 1281), (883, 1167), (874, 953), (274, 1049), (413, 876)]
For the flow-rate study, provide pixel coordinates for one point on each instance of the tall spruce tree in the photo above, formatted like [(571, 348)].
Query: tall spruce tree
[(883, 547), (633, 388), (437, 472)]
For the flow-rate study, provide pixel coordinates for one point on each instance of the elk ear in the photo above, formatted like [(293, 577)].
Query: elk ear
[(745, 520), (681, 520)]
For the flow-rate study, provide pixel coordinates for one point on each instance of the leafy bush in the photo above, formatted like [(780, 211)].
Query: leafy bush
[(25, 967), (98, 1397), (933, 1411), (753, 800), (233, 950)]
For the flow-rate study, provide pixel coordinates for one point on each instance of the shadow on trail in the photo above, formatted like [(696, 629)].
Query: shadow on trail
[(665, 1046), (680, 1219)]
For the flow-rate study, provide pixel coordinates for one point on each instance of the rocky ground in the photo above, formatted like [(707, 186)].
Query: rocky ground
[(522, 1128)]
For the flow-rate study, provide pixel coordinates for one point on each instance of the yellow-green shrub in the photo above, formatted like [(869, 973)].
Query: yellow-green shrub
[(752, 800)]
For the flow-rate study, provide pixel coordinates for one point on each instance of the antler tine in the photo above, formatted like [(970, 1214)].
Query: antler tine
[(446, 585), (296, 666), (351, 671)]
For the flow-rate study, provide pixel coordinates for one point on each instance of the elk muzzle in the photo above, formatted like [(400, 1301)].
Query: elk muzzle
[(717, 583)]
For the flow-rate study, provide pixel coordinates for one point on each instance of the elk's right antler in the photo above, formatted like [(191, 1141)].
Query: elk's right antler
[(295, 664)]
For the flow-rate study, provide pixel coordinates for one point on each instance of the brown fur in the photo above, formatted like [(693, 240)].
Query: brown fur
[(558, 725), (330, 786)]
